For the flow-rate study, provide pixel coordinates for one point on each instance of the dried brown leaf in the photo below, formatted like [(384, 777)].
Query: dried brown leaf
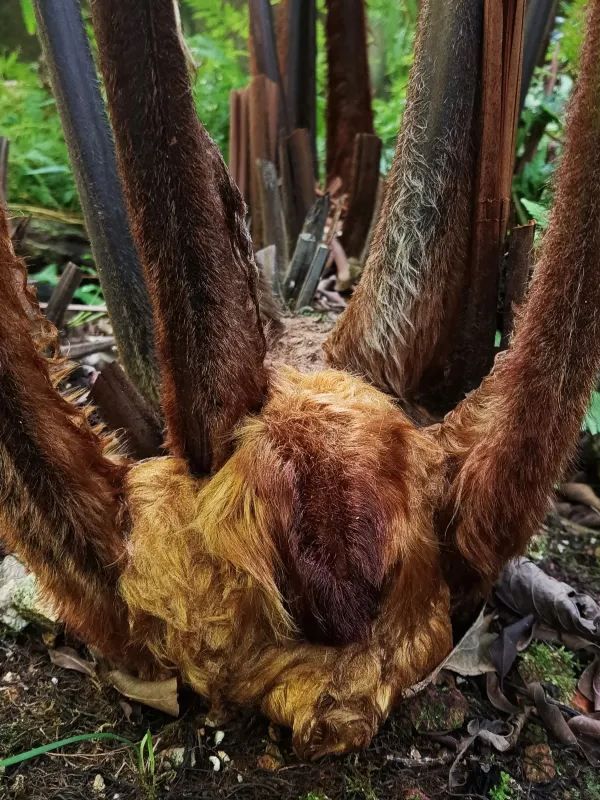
[(469, 657), (497, 697), (68, 658), (589, 683), (161, 695), (498, 734), (580, 493), (551, 716), (526, 589), (584, 725), (494, 732), (511, 641)]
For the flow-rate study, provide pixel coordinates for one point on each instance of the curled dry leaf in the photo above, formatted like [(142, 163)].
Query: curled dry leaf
[(494, 732), (470, 657), (68, 658), (161, 695), (127, 709), (511, 641), (584, 725), (526, 589), (580, 493), (571, 640), (500, 735), (497, 697), (551, 716), (589, 683), (587, 729)]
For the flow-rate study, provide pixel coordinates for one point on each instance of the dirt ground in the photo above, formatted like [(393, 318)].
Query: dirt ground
[(41, 703), (301, 343)]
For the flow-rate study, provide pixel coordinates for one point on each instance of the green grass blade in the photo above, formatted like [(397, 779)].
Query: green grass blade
[(47, 748)]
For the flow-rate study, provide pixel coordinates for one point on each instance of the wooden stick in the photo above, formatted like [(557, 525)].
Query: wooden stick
[(302, 169), (363, 193), (88, 136), (63, 294), (273, 219), (100, 309), (348, 85), (122, 408), (81, 349), (313, 276), (235, 121), (514, 17), (239, 140), (518, 271), (316, 218), (299, 265), (297, 46), (263, 53), (539, 22), (266, 261), (343, 276), (298, 182), (501, 66), (259, 150), (244, 145)]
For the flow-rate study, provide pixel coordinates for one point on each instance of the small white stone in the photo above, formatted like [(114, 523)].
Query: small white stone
[(98, 785), (223, 756), (240, 779), (219, 736), (216, 764), (175, 755), (54, 681), (8, 678)]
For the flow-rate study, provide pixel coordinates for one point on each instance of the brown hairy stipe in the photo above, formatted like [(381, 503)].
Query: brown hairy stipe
[(515, 434), (313, 573), (188, 224), (61, 505), (396, 324)]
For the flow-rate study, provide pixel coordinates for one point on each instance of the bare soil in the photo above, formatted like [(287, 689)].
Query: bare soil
[(302, 341)]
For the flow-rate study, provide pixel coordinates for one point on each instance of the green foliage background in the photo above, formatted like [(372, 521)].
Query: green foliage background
[(217, 33)]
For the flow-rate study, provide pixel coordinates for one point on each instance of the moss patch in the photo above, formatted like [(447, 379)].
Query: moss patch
[(543, 663)]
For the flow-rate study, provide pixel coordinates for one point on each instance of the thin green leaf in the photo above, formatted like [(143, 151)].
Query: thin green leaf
[(48, 748), (592, 418), (538, 212), (28, 16)]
